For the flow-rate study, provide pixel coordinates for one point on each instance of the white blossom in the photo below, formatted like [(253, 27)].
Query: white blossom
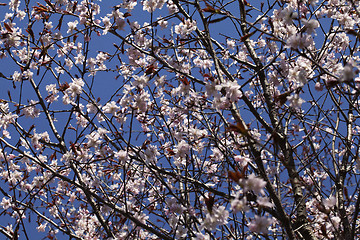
[(260, 224), (186, 27)]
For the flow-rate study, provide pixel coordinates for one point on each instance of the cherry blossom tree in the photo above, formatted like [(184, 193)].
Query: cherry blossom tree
[(180, 119)]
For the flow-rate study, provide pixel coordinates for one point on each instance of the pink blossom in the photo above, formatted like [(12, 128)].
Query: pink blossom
[(72, 26), (185, 28), (17, 76), (238, 205), (255, 184), (122, 156), (151, 5), (111, 107), (41, 227), (260, 224), (264, 202), (295, 101), (219, 216), (75, 87), (31, 110), (310, 25), (318, 86), (243, 160), (6, 203)]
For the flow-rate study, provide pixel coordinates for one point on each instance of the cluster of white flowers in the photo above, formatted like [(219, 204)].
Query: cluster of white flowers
[(232, 89), (152, 5), (299, 40), (6, 117), (72, 26), (74, 89), (295, 101), (218, 216), (52, 93), (31, 110), (186, 27), (260, 224), (111, 107)]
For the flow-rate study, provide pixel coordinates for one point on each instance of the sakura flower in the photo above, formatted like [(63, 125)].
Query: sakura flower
[(233, 91), (243, 160), (142, 217), (260, 224), (38, 137), (238, 205), (59, 70), (151, 5), (182, 149), (66, 99), (329, 202), (299, 40), (69, 63), (6, 118), (12, 39), (6, 134), (264, 202), (4, 107), (111, 108), (93, 139), (51, 88), (102, 131), (140, 81), (107, 24), (302, 77), (31, 110), (220, 103), (200, 236), (181, 232), (203, 63), (171, 7), (122, 156), (151, 154), (185, 28), (79, 59), (219, 216), (75, 88), (42, 227), (318, 86), (72, 26), (174, 206), (310, 25), (53, 93), (14, 5), (313, 2), (48, 25), (119, 20), (6, 203), (21, 15), (129, 5), (17, 76), (230, 43), (141, 101), (335, 221), (162, 23), (254, 184), (348, 73), (91, 62), (345, 19), (81, 121), (295, 101), (288, 14)]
